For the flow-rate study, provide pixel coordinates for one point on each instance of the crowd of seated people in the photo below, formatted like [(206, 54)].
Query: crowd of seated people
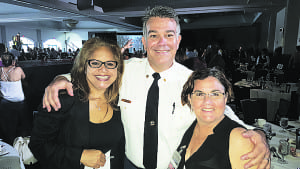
[(45, 54), (261, 61)]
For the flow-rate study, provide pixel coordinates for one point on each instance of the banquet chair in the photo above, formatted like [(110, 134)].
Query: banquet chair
[(254, 108), (240, 93), (10, 162), (282, 110), (293, 113), (250, 75), (260, 73)]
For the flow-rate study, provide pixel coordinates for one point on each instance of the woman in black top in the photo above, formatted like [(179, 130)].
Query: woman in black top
[(87, 131), (213, 141)]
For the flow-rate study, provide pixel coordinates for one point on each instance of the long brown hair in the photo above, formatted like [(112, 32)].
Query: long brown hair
[(78, 72)]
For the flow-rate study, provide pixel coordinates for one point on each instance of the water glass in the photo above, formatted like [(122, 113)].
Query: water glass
[(283, 149), (284, 122)]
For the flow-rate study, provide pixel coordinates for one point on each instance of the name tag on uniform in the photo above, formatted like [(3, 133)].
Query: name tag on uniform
[(126, 101), (175, 160)]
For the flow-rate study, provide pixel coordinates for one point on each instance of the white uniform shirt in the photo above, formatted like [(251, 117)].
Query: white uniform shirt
[(173, 118)]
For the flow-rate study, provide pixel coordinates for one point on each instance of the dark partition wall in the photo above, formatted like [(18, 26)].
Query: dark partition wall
[(111, 36), (227, 38), (37, 79)]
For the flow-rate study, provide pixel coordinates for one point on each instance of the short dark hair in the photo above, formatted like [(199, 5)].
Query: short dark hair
[(161, 12), (7, 59), (201, 75)]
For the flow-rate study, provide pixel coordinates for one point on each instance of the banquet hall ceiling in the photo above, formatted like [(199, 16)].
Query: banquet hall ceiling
[(125, 15)]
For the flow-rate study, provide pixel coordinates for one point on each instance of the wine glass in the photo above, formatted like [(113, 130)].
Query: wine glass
[(284, 122), (283, 149)]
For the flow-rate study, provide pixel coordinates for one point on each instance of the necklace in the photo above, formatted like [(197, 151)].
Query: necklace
[(99, 108)]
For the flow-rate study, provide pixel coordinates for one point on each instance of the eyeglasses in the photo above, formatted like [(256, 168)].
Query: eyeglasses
[(214, 95), (93, 63)]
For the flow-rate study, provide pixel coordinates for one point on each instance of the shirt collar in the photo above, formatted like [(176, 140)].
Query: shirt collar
[(165, 75)]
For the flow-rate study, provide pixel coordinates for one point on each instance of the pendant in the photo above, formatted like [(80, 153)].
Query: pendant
[(98, 107)]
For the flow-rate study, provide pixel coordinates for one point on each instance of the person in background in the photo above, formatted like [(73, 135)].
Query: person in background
[(180, 56), (87, 130), (263, 61), (190, 53), (22, 55), (125, 49), (12, 104), (278, 58), (161, 38), (213, 139), (16, 53), (196, 52), (217, 59)]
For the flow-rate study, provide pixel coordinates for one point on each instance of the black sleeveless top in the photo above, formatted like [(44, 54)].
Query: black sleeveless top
[(105, 136), (214, 152)]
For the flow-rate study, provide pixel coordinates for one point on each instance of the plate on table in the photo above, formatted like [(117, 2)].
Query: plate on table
[(3, 152)]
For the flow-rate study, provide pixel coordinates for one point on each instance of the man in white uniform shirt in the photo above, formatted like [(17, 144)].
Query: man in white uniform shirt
[(161, 38)]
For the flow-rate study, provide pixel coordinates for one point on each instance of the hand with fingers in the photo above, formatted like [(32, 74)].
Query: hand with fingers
[(50, 97), (93, 158), (260, 155), (127, 45)]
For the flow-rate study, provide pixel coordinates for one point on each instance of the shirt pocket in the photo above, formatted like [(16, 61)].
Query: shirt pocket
[(132, 112)]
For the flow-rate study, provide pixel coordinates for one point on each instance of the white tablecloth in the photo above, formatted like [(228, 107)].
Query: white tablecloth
[(273, 99), (293, 162), (12, 152)]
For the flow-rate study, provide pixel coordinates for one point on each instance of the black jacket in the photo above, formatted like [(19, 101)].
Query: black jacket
[(59, 137)]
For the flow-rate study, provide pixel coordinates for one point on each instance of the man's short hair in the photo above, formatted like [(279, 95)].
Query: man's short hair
[(161, 12)]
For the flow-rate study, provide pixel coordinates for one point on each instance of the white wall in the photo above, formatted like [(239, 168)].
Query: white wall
[(279, 39), (74, 37)]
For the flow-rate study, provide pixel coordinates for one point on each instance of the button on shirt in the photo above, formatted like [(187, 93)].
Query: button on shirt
[(173, 118)]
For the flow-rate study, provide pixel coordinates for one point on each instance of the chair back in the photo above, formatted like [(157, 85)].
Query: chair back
[(254, 108), (293, 113), (240, 93), (10, 162), (283, 109)]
